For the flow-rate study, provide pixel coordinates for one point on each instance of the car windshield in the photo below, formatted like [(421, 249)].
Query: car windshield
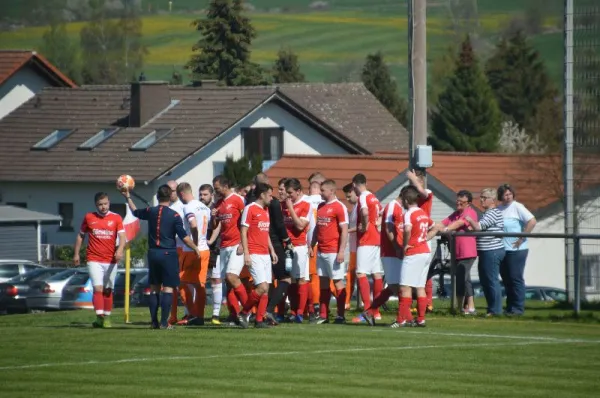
[(61, 276), (34, 275)]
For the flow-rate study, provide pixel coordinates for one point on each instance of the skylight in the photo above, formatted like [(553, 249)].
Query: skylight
[(98, 138), (150, 139), (54, 138)]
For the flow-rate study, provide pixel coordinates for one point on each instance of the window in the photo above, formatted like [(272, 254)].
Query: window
[(150, 139), (98, 139), (22, 205), (218, 168), (118, 208), (65, 210), (267, 142), (533, 294), (54, 138), (9, 270), (590, 273)]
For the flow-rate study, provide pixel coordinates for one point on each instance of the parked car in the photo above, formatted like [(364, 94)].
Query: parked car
[(11, 268), (47, 294), (77, 292), (545, 293), (14, 291), (141, 292), (136, 274)]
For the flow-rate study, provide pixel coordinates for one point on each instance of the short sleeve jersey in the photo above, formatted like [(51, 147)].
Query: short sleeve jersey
[(352, 224), (178, 207), (256, 219), (330, 217), (102, 233), (420, 224), (426, 203), (302, 209), (371, 236), (315, 201), (393, 217), (196, 210), (229, 211)]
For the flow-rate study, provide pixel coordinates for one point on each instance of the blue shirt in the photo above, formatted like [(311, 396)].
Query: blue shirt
[(164, 224), (516, 216)]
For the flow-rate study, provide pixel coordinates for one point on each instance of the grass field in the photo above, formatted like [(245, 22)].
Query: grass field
[(59, 354), (327, 42)]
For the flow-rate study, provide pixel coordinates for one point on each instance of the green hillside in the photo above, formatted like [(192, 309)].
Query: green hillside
[(331, 43)]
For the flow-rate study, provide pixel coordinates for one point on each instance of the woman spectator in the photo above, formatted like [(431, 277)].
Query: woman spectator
[(516, 219), (490, 250)]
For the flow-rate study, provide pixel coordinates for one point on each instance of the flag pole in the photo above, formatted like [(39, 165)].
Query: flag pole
[(127, 280)]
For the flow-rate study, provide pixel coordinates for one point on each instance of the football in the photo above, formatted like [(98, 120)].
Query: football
[(125, 181)]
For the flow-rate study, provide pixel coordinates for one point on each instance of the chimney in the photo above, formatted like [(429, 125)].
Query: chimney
[(147, 100)]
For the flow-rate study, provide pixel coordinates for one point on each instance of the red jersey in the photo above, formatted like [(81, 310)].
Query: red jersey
[(393, 217), (421, 223), (257, 220), (371, 203), (426, 203), (228, 214), (330, 217), (102, 239), (302, 209)]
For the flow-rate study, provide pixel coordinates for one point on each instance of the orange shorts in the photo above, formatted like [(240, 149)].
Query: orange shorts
[(180, 259), (312, 262), (194, 268), (352, 263)]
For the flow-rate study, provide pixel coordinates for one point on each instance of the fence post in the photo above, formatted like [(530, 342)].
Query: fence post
[(577, 274), (452, 247)]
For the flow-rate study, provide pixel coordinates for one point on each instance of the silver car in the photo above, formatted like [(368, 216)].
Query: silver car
[(48, 294), (11, 268)]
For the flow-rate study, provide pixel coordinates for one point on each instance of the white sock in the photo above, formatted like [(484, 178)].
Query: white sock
[(217, 292)]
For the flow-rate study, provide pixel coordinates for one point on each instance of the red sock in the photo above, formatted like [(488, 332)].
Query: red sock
[(341, 301), (251, 302), (293, 296), (377, 288), (324, 299), (302, 298), (380, 300), (421, 308), (404, 310), (232, 303), (241, 294), (262, 307), (429, 292), (309, 300), (365, 291), (98, 301), (108, 302)]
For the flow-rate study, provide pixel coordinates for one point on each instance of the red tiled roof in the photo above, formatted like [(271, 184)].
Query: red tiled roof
[(13, 60)]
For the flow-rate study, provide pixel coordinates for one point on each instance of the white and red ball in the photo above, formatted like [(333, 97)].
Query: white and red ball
[(125, 182)]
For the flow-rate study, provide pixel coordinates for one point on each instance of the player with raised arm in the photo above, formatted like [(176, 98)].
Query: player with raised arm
[(368, 260), (196, 220), (415, 266), (259, 254), (295, 217), (226, 215), (331, 236), (392, 233), (102, 228)]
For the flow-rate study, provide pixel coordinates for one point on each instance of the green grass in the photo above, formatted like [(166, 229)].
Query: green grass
[(59, 354)]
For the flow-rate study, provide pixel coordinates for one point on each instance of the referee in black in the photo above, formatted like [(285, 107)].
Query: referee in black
[(164, 224), (279, 238)]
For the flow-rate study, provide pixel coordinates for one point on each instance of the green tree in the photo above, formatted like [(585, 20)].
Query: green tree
[(60, 50), (286, 68), (467, 117), (440, 72), (241, 172), (130, 27), (139, 248), (518, 78), (378, 80), (223, 51)]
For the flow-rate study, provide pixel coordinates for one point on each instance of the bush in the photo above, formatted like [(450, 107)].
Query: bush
[(65, 253)]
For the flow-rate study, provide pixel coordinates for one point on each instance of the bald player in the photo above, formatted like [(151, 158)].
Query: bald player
[(315, 199), (177, 205)]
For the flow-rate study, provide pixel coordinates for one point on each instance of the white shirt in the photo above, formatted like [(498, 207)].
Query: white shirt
[(196, 210), (178, 207), (315, 201), (352, 224)]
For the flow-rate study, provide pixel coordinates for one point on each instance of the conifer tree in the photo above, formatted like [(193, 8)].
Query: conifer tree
[(286, 68)]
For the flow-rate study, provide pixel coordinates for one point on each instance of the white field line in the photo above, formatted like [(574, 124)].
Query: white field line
[(280, 353)]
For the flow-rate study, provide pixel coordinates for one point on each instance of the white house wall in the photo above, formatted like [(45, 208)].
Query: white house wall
[(298, 139), (19, 88), (546, 258), (45, 197)]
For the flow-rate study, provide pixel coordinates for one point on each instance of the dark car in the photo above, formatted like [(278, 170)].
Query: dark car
[(136, 274), (14, 291), (545, 293), (141, 292), (11, 268)]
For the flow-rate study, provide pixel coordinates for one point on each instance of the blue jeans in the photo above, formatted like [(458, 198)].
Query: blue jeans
[(511, 270), (489, 271)]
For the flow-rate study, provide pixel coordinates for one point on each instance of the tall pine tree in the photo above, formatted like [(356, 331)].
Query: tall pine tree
[(223, 51), (467, 117), (286, 68), (241, 172), (378, 80)]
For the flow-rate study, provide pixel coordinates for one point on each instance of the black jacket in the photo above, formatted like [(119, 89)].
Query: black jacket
[(277, 229)]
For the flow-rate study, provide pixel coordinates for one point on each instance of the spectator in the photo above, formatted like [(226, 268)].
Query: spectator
[(466, 248), (490, 250), (516, 219)]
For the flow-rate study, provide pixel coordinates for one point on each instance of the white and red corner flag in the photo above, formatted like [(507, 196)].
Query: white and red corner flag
[(131, 224)]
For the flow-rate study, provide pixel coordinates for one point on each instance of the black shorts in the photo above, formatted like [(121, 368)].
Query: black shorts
[(163, 267), (279, 271)]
